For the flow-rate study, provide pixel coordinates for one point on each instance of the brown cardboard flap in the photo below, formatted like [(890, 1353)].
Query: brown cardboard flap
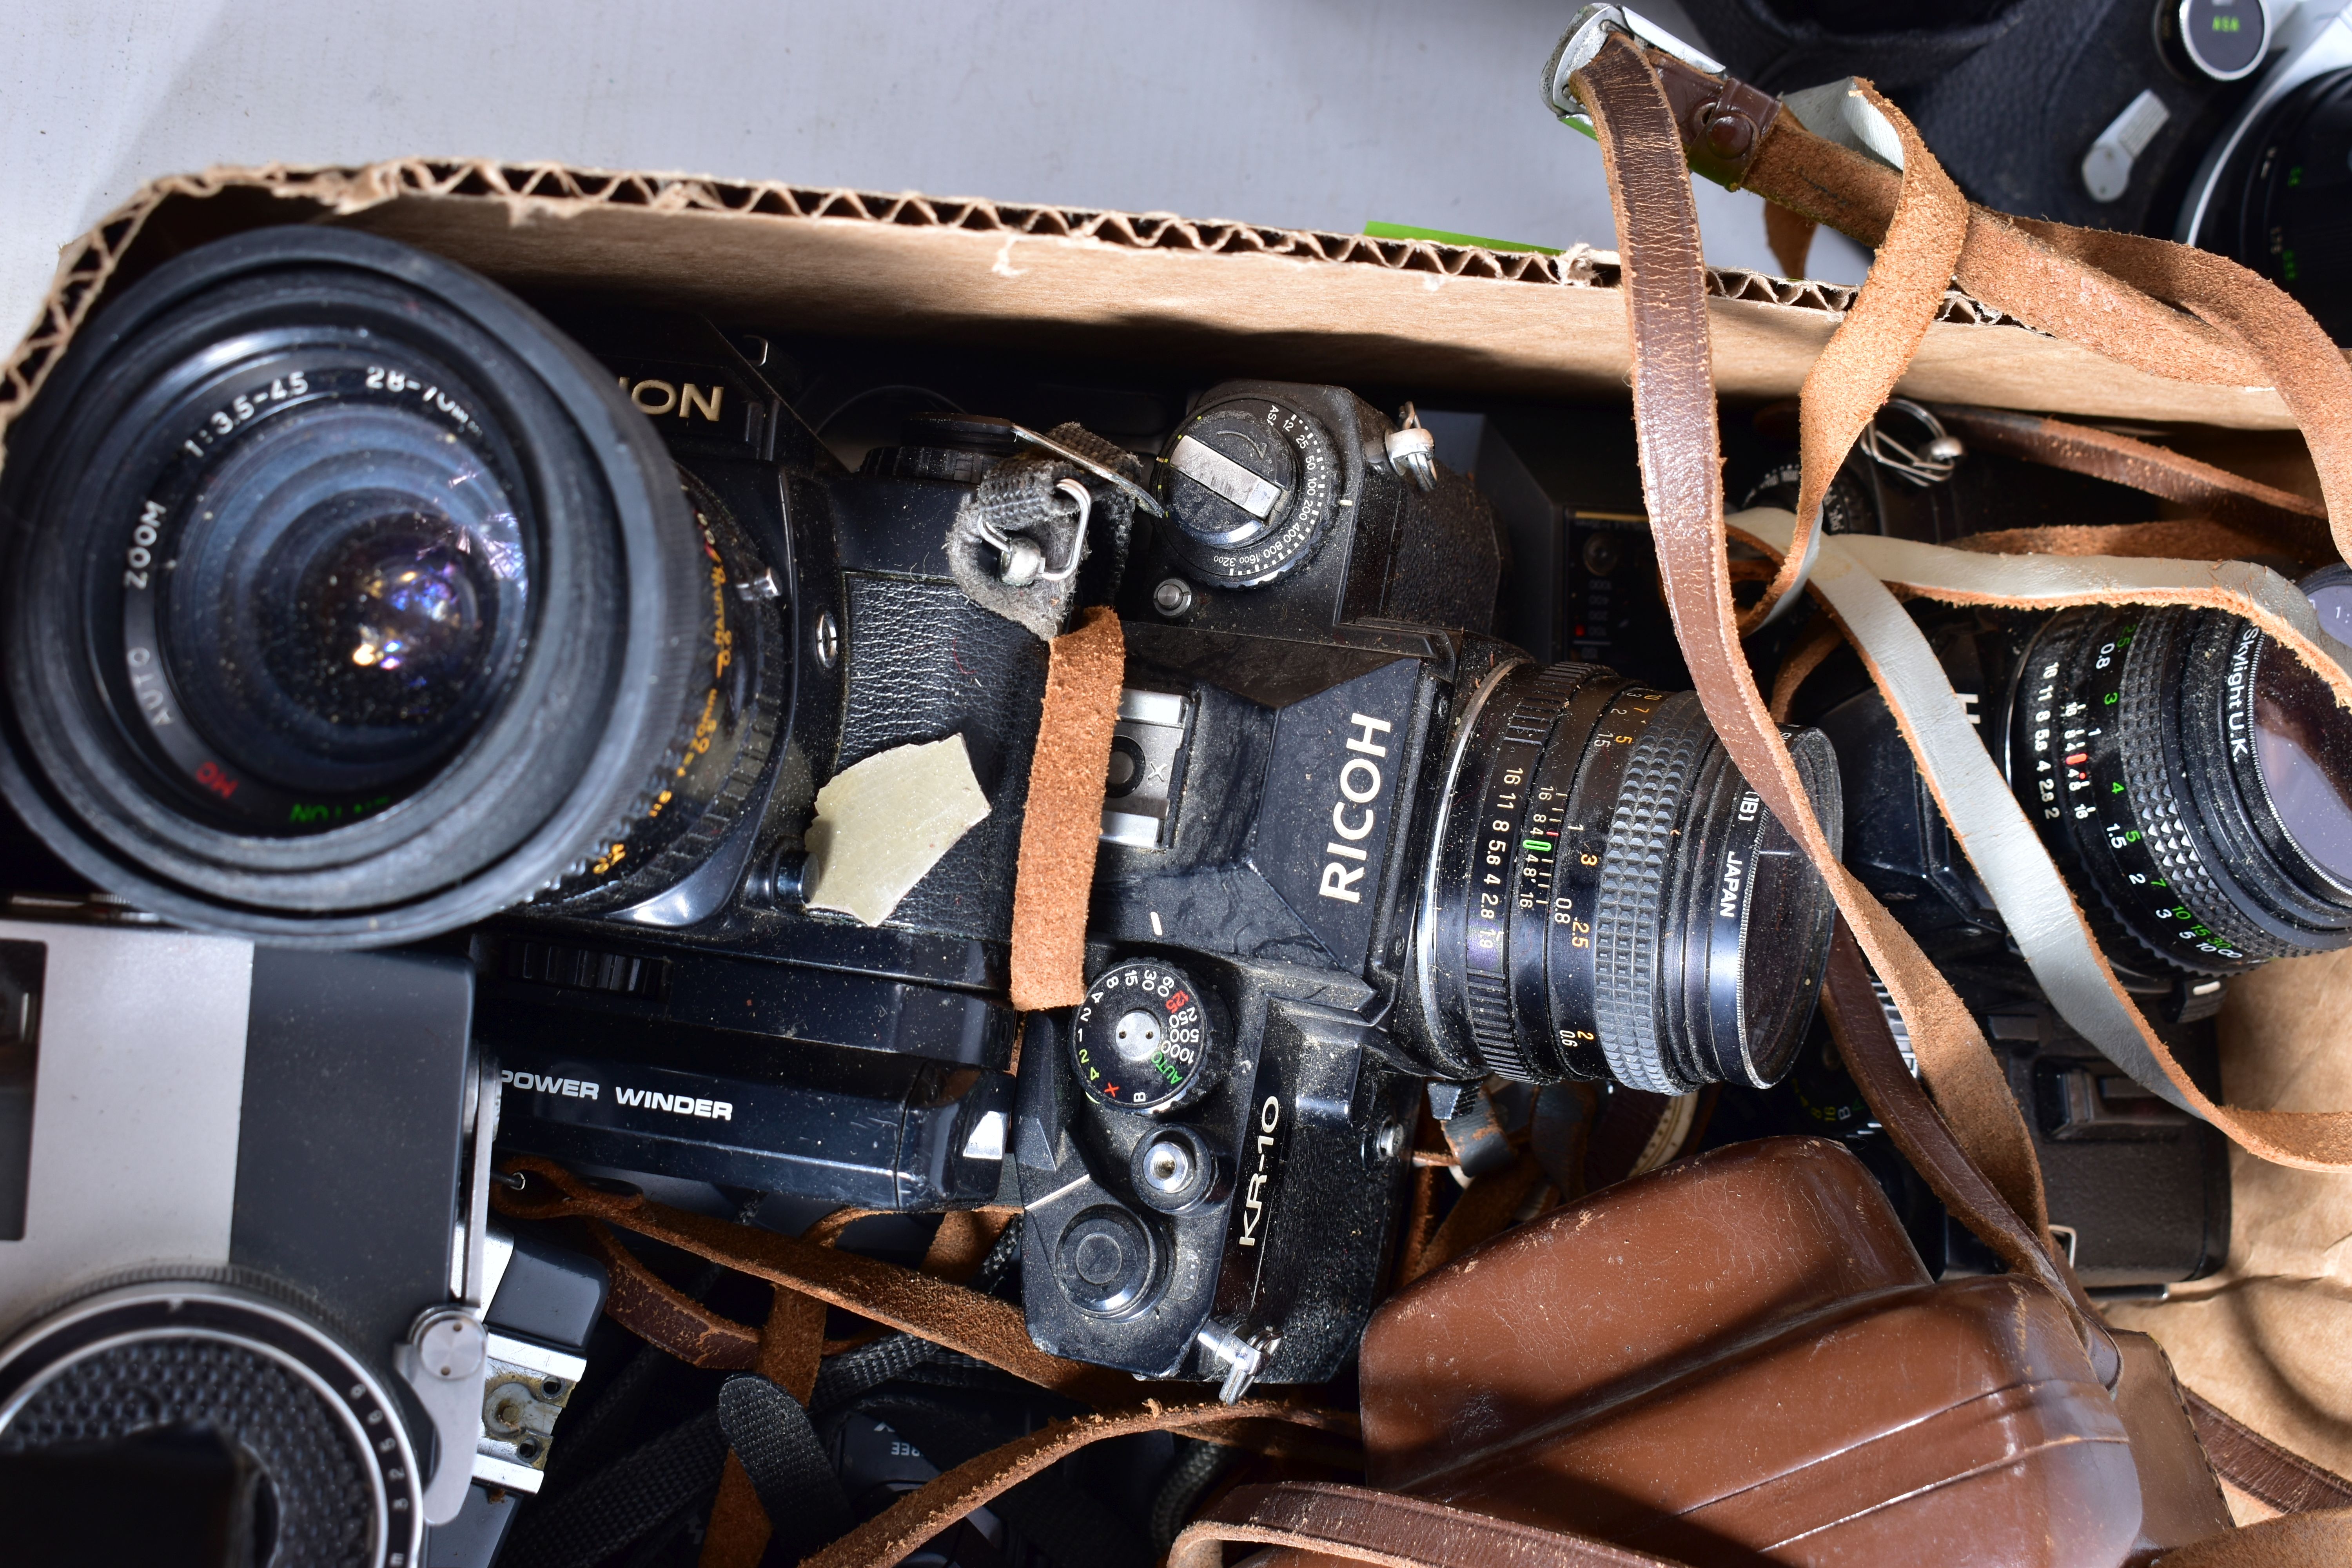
[(1220, 298)]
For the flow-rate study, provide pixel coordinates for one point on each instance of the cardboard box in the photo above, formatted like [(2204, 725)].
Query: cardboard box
[(2263, 1338), (1219, 297)]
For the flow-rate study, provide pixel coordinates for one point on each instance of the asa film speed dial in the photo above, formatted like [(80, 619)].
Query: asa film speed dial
[(1141, 1040)]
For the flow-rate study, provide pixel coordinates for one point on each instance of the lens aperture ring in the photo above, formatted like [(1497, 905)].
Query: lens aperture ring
[(1643, 834), (1593, 772), (1524, 728), (1560, 873)]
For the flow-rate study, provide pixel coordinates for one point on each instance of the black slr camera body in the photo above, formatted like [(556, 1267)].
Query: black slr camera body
[(1222, 1197), (731, 1034), (1377, 849), (405, 617)]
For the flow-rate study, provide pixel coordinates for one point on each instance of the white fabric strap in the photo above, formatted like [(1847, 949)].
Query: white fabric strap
[(1850, 572)]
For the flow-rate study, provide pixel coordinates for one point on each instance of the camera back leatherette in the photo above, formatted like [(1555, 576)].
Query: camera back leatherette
[(925, 663), (1741, 1357)]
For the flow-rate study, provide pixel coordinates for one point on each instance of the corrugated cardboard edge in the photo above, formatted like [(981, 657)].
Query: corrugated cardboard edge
[(1769, 329)]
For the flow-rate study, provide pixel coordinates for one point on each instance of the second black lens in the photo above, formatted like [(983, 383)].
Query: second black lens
[(2194, 775)]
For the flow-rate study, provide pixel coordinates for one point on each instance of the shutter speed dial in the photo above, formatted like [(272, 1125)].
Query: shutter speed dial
[(1142, 1038)]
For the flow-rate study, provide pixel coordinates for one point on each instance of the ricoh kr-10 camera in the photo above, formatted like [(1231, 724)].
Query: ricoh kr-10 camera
[(595, 659)]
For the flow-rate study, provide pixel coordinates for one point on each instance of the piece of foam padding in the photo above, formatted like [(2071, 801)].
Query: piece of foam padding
[(1064, 821)]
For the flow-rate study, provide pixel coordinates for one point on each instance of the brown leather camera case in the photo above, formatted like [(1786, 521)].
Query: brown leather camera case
[(1739, 1358)]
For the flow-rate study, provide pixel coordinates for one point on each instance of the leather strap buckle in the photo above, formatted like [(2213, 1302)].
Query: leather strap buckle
[(1723, 120)]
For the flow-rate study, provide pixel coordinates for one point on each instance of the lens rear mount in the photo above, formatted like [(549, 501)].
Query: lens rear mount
[(347, 601)]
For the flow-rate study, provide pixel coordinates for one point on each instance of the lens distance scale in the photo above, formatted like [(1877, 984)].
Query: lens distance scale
[(1140, 1041), (2071, 742)]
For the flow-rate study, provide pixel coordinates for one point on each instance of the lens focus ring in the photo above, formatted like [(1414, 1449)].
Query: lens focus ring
[(1635, 871), (2159, 808), (2120, 732)]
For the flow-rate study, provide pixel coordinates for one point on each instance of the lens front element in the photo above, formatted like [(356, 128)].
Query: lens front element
[(347, 597), (2302, 750), (344, 600)]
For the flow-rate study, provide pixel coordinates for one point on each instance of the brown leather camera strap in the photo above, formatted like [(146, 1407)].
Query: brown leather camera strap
[(662, 1315), (1675, 415), (1311, 1524), (1062, 823), (961, 1319), (2296, 355), (2260, 1468), (1872, 347), (1355, 1524), (2167, 539), (2168, 309), (2215, 493), (889, 1536), (1866, 1044), (2313, 1141), (1674, 412), (2264, 1470), (2000, 263), (790, 1345)]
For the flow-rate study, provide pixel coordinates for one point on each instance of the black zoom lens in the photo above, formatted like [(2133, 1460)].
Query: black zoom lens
[(1606, 897), (345, 600), (2197, 776)]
